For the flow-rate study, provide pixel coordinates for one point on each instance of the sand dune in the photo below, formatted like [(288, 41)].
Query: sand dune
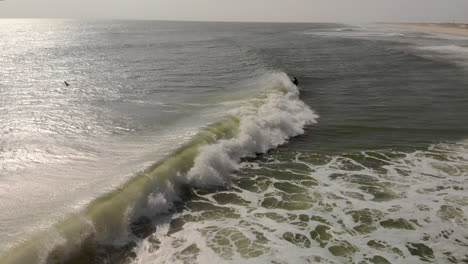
[(442, 28)]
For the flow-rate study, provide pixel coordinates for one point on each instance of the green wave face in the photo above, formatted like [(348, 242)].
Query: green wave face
[(106, 218)]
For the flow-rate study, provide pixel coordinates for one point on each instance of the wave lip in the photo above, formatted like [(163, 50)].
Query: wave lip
[(266, 122)]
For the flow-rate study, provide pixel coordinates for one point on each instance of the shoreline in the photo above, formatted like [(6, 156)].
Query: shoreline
[(455, 29)]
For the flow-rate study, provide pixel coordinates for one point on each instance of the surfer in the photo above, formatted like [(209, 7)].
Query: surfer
[(295, 81), (66, 83)]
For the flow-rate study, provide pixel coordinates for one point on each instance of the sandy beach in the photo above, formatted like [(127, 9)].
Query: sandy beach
[(442, 28)]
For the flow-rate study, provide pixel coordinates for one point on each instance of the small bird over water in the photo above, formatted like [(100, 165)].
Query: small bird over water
[(65, 82)]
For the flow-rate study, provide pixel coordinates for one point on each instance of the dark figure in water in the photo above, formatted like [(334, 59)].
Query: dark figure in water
[(295, 81), (66, 83)]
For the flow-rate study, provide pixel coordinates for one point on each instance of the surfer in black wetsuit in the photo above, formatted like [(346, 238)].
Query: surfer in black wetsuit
[(66, 83), (295, 81)]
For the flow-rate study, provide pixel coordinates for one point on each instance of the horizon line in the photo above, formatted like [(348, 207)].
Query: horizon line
[(228, 21)]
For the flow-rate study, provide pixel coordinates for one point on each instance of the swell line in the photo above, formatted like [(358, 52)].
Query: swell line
[(265, 122)]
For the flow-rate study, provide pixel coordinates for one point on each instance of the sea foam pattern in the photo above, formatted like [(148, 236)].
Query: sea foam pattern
[(368, 207)]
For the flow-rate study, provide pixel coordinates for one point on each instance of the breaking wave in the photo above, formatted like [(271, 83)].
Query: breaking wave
[(116, 219)]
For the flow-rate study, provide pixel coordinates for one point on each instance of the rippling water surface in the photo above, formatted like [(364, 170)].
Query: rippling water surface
[(182, 142)]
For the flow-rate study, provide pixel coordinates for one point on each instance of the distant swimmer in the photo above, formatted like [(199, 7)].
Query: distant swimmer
[(66, 83), (295, 81)]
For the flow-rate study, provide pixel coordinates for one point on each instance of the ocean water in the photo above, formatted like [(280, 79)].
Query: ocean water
[(186, 142)]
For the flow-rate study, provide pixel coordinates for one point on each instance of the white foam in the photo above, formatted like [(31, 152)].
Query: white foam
[(419, 202), (279, 117)]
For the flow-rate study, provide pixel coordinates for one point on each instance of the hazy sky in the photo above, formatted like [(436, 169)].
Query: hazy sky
[(244, 10)]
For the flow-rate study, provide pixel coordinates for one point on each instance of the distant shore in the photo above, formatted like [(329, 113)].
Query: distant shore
[(456, 29)]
